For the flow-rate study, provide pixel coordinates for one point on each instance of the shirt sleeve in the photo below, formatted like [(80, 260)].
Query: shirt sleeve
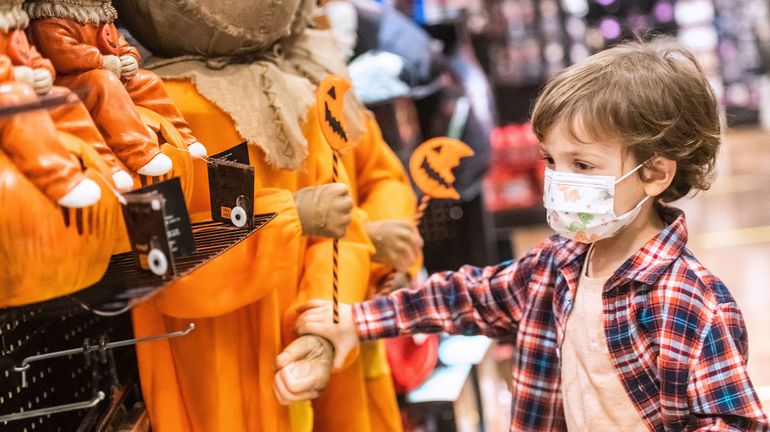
[(487, 301), (722, 397)]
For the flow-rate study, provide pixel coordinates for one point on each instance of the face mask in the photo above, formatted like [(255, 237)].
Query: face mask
[(582, 207)]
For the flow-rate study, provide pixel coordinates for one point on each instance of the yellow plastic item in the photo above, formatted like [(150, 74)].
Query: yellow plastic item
[(48, 251)]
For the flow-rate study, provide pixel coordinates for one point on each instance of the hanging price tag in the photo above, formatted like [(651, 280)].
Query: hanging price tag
[(231, 186)]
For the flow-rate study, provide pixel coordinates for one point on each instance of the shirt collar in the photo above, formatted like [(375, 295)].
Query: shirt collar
[(649, 263)]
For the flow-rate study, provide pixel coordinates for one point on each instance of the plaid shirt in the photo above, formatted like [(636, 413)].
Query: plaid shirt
[(674, 332)]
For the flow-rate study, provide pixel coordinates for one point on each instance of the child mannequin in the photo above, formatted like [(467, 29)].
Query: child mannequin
[(29, 140), (617, 325), (92, 58), (30, 67)]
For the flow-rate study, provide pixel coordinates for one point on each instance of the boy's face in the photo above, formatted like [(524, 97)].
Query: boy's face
[(563, 153)]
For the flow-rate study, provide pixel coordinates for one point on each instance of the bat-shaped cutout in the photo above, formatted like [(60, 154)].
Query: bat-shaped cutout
[(330, 108), (431, 166)]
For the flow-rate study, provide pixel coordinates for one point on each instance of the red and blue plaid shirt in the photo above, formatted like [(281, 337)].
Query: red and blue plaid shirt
[(674, 332)]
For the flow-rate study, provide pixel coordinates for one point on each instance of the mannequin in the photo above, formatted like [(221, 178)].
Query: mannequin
[(30, 141), (30, 67), (94, 60), (233, 78)]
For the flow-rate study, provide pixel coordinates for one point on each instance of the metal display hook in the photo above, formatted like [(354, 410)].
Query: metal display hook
[(88, 349), (54, 410)]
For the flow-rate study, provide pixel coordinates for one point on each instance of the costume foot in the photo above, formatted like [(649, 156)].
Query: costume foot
[(198, 150), (123, 181), (159, 165), (85, 194)]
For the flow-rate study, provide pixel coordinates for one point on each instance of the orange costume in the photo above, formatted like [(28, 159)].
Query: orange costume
[(31, 142), (220, 377), (95, 61), (361, 396)]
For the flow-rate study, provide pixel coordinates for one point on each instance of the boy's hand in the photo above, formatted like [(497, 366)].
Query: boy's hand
[(303, 369), (398, 243), (316, 319)]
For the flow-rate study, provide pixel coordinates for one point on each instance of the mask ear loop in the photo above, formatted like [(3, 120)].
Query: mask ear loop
[(628, 174)]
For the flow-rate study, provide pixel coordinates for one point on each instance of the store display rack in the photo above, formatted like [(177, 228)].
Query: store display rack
[(69, 364)]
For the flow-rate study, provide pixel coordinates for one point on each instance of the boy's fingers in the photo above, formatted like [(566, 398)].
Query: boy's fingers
[(313, 304)]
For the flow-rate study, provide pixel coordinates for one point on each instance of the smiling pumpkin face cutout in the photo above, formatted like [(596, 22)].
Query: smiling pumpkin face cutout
[(432, 163), (330, 108)]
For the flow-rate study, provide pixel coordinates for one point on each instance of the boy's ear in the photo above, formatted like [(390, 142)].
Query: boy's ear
[(657, 175)]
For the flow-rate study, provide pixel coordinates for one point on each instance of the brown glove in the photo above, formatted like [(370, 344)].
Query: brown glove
[(303, 369), (398, 243), (324, 211)]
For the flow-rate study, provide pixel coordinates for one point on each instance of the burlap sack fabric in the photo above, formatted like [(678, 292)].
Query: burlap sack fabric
[(259, 61)]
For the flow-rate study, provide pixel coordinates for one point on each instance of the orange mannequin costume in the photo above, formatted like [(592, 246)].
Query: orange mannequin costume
[(360, 396), (251, 324), (219, 378), (77, 45), (31, 142)]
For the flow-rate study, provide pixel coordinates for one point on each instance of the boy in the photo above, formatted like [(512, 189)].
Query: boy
[(618, 327)]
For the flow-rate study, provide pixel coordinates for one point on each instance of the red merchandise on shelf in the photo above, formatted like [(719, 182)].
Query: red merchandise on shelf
[(515, 178)]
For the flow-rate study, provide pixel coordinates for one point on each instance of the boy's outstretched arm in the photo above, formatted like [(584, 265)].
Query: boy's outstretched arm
[(488, 301), (471, 301), (721, 395)]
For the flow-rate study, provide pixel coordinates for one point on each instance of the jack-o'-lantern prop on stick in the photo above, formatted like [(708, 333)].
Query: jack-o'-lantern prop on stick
[(330, 97), (432, 163), (431, 166)]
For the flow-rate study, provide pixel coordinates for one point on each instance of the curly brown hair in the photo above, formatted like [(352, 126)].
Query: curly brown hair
[(651, 96)]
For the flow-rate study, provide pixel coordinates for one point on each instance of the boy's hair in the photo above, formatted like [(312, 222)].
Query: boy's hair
[(651, 96)]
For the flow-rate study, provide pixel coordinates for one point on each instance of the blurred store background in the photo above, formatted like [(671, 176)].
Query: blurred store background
[(470, 69)]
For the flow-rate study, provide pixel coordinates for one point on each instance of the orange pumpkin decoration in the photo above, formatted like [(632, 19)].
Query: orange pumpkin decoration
[(49, 251), (431, 166), (330, 107)]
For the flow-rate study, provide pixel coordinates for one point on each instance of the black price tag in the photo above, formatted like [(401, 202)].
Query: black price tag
[(231, 186), (159, 226)]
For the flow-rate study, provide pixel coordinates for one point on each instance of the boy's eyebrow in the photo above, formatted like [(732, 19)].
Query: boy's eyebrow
[(575, 152)]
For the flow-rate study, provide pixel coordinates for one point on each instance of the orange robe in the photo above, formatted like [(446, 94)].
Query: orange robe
[(30, 141), (72, 118), (220, 377), (76, 52), (361, 396)]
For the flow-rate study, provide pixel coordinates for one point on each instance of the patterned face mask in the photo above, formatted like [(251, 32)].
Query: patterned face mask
[(582, 207)]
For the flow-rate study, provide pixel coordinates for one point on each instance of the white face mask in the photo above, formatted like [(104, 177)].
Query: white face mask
[(582, 207)]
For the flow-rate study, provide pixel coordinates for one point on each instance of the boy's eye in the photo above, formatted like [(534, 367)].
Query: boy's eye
[(548, 160), (582, 166)]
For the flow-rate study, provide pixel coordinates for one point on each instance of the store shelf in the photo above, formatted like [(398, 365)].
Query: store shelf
[(124, 285), (520, 217)]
